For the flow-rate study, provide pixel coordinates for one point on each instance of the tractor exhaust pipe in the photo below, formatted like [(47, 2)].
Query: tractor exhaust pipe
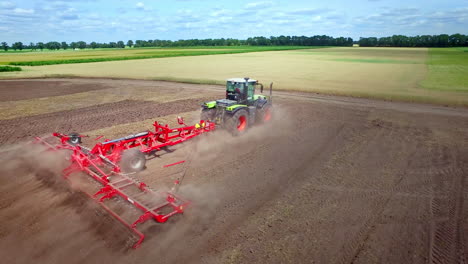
[(271, 92)]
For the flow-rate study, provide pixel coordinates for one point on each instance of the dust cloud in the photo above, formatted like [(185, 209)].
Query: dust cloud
[(43, 219), (46, 219)]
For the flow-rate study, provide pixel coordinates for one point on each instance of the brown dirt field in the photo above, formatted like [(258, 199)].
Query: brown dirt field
[(13, 91), (90, 118), (329, 180)]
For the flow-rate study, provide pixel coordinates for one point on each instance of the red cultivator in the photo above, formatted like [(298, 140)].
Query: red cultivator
[(103, 164)]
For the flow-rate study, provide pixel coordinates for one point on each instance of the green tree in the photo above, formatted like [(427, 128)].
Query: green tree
[(53, 45), (93, 45), (40, 45), (18, 46), (120, 44), (5, 46), (130, 43), (64, 45), (81, 44), (32, 46)]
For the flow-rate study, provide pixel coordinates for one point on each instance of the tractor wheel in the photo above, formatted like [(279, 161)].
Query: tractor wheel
[(238, 123), (208, 114), (74, 139), (132, 160), (264, 114)]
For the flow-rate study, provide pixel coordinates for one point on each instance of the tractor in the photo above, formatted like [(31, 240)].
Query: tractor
[(241, 108)]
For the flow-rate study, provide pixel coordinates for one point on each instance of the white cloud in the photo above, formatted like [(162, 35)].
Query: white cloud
[(259, 4), (219, 13), (316, 18), (23, 11), (141, 6), (68, 14), (7, 5), (309, 11)]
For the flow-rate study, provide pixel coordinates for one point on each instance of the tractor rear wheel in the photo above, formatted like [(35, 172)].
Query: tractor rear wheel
[(208, 114), (238, 123), (264, 114), (132, 160)]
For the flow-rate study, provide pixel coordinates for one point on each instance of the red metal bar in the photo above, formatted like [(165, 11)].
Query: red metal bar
[(173, 164)]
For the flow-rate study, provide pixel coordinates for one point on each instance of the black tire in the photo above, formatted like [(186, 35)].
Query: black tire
[(74, 139), (208, 114), (238, 123), (132, 160), (264, 114)]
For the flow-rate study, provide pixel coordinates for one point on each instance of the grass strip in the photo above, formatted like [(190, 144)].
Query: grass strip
[(9, 68)]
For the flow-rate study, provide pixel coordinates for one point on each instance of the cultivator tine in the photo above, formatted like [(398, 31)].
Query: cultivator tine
[(173, 164), (108, 195), (103, 190), (143, 218)]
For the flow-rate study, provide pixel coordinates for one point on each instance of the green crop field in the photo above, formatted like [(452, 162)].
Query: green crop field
[(408, 74), (448, 70), (39, 58)]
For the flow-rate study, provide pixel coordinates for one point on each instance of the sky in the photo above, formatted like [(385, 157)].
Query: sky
[(114, 20)]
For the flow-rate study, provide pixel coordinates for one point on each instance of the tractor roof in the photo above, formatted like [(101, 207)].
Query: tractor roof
[(240, 80)]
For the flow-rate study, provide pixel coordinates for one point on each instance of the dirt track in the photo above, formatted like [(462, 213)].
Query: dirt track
[(330, 180)]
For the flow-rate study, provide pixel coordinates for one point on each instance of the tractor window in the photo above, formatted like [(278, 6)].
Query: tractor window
[(230, 87), (239, 85), (250, 91)]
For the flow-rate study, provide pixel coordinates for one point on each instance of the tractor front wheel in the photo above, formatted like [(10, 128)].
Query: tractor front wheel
[(132, 160), (208, 114), (238, 123), (264, 114)]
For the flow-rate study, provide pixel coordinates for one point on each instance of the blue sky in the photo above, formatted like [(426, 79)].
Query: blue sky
[(106, 20)]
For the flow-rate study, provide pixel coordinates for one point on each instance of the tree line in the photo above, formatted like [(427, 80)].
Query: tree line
[(54, 45), (443, 40), (254, 41)]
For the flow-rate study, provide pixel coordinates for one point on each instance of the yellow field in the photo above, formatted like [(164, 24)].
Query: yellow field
[(386, 73)]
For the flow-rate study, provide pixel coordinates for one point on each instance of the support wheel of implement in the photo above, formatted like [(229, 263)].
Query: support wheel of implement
[(238, 123), (74, 139), (132, 160), (264, 114), (208, 114)]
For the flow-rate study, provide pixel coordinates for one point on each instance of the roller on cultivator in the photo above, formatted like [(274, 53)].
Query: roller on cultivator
[(111, 162)]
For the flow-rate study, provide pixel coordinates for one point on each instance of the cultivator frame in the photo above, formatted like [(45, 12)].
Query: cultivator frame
[(101, 164)]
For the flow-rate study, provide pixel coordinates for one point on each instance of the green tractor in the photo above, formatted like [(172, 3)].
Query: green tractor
[(241, 108)]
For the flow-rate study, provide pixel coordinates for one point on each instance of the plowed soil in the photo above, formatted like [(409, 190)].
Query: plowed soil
[(329, 180), (90, 118), (13, 91)]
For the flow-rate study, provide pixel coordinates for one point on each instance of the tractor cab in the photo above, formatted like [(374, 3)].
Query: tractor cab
[(240, 90)]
